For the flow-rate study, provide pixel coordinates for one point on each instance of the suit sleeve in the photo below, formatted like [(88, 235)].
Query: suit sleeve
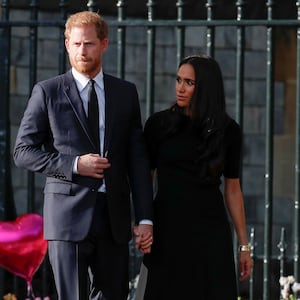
[(34, 148), (139, 168)]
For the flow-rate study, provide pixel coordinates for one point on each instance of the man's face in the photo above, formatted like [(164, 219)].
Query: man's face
[(85, 50)]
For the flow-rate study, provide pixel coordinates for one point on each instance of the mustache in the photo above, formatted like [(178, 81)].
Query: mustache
[(83, 58)]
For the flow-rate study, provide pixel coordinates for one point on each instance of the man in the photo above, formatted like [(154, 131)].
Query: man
[(91, 167)]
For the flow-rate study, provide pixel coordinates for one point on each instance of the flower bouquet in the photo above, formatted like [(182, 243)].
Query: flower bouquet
[(289, 288)]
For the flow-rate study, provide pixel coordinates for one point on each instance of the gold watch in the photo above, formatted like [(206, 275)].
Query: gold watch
[(244, 248)]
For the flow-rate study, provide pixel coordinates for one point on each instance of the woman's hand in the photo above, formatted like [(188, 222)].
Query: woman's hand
[(245, 265)]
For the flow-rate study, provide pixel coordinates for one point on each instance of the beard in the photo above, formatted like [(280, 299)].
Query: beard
[(85, 65)]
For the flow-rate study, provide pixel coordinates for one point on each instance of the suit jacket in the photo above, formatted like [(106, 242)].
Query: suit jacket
[(54, 130)]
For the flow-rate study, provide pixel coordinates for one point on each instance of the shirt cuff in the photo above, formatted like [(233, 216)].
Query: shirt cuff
[(145, 222), (75, 170)]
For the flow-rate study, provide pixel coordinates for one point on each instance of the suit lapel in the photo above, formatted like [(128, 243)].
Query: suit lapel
[(72, 94), (110, 104)]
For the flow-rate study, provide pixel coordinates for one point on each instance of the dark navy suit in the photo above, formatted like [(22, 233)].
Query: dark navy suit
[(54, 130)]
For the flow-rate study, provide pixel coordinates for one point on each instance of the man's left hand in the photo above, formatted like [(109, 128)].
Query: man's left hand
[(143, 234)]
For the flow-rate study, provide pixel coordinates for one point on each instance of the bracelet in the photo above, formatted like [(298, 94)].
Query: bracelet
[(244, 248)]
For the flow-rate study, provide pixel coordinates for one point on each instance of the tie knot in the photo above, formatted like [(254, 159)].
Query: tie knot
[(91, 82)]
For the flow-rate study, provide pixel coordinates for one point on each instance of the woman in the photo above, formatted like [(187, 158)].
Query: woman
[(191, 145)]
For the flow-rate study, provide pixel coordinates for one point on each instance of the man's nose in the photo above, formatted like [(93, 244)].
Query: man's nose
[(82, 48)]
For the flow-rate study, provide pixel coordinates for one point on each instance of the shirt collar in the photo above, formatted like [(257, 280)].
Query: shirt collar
[(82, 80)]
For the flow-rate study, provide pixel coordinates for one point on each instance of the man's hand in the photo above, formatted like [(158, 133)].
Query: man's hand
[(143, 234), (92, 165)]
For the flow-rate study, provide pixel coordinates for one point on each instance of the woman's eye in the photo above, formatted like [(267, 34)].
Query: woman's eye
[(190, 82), (186, 82), (178, 80)]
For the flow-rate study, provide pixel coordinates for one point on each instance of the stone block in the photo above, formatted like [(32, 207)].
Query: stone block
[(166, 36), (225, 37), (20, 51), (48, 54), (284, 165), (255, 37), (254, 150), (195, 36), (254, 120), (255, 64), (253, 180), (22, 82)]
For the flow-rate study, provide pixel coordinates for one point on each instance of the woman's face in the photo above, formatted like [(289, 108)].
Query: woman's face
[(185, 85)]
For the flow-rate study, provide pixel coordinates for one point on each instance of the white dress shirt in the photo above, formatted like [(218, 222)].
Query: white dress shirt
[(83, 87)]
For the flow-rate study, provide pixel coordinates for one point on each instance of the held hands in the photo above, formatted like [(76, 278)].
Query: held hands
[(245, 264), (92, 165), (143, 234)]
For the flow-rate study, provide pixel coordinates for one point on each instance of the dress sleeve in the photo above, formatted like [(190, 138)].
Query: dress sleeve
[(233, 140)]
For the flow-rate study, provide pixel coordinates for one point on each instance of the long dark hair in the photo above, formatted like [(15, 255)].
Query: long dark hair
[(207, 112)]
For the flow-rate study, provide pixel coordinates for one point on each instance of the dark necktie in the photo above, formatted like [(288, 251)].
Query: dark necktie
[(93, 114)]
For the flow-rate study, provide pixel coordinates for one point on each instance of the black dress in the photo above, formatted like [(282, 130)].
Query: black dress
[(192, 255)]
